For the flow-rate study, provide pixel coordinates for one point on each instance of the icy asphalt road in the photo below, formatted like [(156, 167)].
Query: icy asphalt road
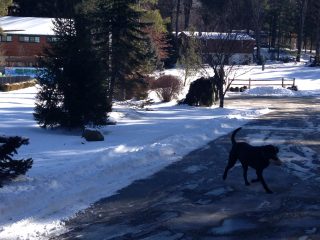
[(189, 199)]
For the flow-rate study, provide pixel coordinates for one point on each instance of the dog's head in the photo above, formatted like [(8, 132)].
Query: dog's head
[(271, 152)]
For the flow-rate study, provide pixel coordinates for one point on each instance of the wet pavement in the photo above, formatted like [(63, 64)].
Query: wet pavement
[(189, 199)]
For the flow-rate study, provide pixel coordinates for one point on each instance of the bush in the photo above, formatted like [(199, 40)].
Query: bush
[(167, 87), (202, 92), (237, 89), (16, 86)]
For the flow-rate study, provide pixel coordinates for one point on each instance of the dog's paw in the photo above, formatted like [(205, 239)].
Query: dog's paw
[(247, 184)]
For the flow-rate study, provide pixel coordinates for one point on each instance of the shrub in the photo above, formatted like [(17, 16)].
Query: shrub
[(202, 92), (151, 81), (16, 86), (167, 87)]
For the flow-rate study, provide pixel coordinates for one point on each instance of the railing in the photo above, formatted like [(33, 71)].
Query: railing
[(17, 79), (261, 82)]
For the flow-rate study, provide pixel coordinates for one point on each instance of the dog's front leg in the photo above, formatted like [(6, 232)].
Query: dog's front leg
[(260, 177), (245, 174)]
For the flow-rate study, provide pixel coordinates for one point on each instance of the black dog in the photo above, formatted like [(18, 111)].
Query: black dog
[(256, 157)]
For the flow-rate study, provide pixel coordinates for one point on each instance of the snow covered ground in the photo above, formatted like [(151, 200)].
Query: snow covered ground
[(69, 173)]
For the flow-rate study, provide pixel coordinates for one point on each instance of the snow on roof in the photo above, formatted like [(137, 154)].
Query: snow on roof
[(27, 25), (218, 35)]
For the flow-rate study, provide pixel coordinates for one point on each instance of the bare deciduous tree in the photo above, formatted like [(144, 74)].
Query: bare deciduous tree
[(221, 60)]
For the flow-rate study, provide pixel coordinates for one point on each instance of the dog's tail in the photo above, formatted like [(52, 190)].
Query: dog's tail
[(233, 140)]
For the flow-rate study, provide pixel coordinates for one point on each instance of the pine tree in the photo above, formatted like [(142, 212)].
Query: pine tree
[(190, 55), (73, 91), (157, 34), (44, 8), (9, 167), (120, 42)]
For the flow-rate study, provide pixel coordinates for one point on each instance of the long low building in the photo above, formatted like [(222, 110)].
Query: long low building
[(234, 48), (23, 39)]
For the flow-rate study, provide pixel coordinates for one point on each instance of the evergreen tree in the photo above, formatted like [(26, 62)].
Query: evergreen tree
[(190, 55), (120, 39), (44, 8), (157, 34), (72, 92), (166, 8), (9, 167)]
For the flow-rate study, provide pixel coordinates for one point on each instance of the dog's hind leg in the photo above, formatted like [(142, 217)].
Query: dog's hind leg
[(245, 174), (260, 177), (232, 161), (225, 174)]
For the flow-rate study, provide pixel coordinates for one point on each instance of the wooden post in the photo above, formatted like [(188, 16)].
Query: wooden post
[(294, 82), (249, 83), (282, 82)]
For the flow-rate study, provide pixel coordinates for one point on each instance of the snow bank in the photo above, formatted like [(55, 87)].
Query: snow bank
[(270, 91)]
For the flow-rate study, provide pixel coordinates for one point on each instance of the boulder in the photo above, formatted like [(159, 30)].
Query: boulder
[(92, 135)]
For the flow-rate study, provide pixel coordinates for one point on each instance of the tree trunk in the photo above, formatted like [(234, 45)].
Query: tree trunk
[(302, 15), (221, 97), (177, 17), (187, 11), (258, 43), (273, 32), (221, 75), (257, 9), (317, 57), (279, 42)]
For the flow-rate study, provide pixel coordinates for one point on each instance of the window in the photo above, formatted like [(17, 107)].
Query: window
[(5, 38), (24, 39), (52, 39), (33, 39)]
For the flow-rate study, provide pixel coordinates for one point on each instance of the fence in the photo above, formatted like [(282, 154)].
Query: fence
[(261, 82), (17, 79)]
